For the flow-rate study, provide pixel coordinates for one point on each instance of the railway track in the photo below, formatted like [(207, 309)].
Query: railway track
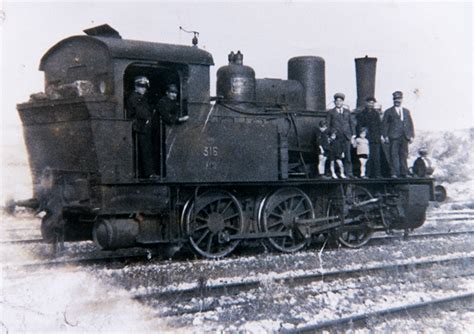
[(140, 254), (105, 257), (22, 241), (390, 236), (424, 235), (453, 215), (357, 320), (203, 290)]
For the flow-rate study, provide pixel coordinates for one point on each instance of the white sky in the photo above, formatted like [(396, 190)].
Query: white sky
[(421, 47)]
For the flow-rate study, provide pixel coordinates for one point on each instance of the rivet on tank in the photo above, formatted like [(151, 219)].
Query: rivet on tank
[(236, 81)]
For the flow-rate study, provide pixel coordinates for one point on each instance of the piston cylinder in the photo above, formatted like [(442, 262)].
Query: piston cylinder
[(236, 82), (365, 76), (115, 233), (310, 72)]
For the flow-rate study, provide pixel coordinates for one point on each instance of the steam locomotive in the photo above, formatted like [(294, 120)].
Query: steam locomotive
[(240, 169)]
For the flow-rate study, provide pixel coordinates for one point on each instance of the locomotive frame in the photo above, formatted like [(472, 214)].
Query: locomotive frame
[(240, 169)]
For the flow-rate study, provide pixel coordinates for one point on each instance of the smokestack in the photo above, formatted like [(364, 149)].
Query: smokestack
[(365, 77)]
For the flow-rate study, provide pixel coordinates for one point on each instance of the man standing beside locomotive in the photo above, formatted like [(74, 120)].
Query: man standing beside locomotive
[(140, 111), (339, 120), (399, 131), (369, 118)]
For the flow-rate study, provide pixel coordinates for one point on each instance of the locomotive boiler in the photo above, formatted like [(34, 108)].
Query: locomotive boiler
[(241, 168)]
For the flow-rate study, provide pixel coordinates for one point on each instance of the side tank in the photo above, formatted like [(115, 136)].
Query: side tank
[(310, 72), (235, 81)]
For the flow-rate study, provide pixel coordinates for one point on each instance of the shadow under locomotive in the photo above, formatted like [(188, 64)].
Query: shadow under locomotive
[(242, 167)]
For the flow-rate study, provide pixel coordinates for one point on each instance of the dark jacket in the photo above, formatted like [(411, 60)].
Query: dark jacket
[(421, 169), (341, 123), (322, 139), (394, 127), (336, 148), (138, 109), (168, 109), (370, 119)]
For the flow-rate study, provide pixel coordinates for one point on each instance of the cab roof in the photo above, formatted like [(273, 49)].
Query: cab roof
[(119, 48)]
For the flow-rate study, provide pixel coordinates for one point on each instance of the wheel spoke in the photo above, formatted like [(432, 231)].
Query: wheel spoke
[(281, 228), (226, 207), (292, 241), (298, 204), (200, 227), (231, 216), (276, 215), (282, 241), (202, 237), (275, 223), (303, 213), (217, 205), (201, 219), (209, 242), (232, 227), (280, 208)]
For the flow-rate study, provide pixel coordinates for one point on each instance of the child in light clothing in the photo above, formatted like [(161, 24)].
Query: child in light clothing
[(336, 154), (362, 146)]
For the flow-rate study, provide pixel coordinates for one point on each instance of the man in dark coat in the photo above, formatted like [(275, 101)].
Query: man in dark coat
[(140, 111), (422, 166), (168, 106), (369, 118), (339, 120), (398, 129)]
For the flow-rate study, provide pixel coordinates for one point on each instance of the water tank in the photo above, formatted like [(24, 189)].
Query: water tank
[(310, 72), (236, 82), (365, 77)]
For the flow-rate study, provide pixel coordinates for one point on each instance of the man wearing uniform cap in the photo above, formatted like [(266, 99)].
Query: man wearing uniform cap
[(140, 111), (339, 119), (399, 131)]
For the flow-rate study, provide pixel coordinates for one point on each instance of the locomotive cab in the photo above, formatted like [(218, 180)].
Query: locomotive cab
[(81, 117), (78, 134)]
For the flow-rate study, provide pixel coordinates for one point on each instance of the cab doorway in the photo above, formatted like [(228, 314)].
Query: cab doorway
[(149, 141)]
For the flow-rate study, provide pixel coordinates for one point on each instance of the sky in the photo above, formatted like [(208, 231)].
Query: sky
[(423, 48)]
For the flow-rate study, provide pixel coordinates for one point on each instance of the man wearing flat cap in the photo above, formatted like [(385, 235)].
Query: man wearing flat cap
[(369, 119), (339, 120), (168, 106), (399, 131)]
